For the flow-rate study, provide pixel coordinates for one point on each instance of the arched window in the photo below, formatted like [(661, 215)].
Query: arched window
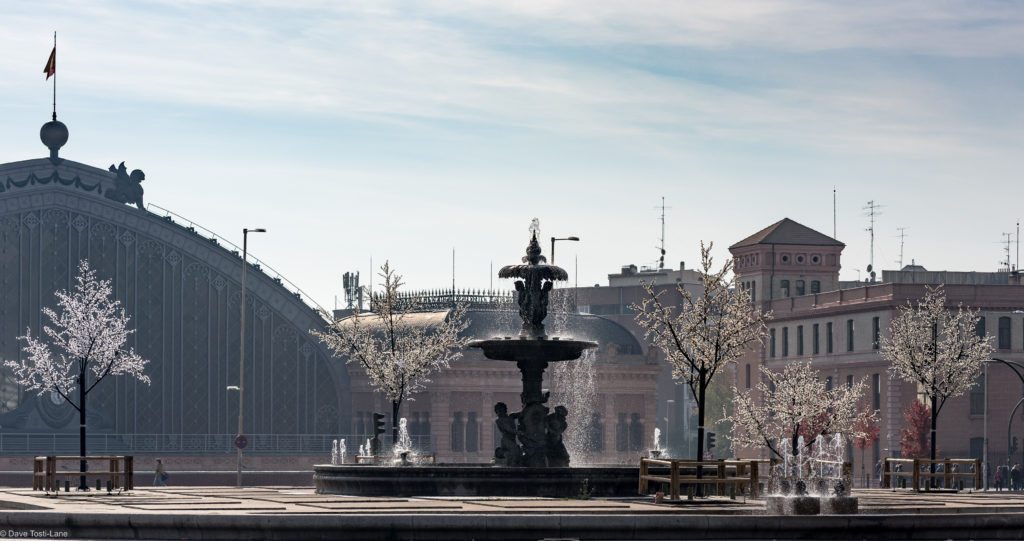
[(1004, 333)]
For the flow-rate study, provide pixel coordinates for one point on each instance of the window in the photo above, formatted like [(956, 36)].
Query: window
[(771, 343), (849, 380), (458, 432), (977, 397), (748, 375), (980, 327), (977, 447), (472, 433), (784, 286), (622, 434), (874, 333), (1004, 333), (753, 291), (828, 337), (785, 341), (849, 335), (876, 392), (799, 287), (815, 343), (815, 285), (828, 383), (636, 433), (799, 339), (596, 432)]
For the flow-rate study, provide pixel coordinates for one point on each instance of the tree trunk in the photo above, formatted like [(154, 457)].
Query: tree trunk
[(701, 401), (83, 465), (935, 416), (395, 404)]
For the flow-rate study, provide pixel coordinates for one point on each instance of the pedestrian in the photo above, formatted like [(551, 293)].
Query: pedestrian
[(160, 475), (999, 478), (1015, 477)]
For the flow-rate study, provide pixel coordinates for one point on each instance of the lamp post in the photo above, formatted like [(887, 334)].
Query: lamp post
[(553, 239), (241, 357)]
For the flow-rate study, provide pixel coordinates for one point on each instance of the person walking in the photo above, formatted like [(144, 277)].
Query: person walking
[(1015, 477), (999, 478), (160, 475)]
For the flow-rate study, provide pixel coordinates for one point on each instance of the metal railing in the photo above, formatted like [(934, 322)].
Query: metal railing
[(122, 444), (255, 263)]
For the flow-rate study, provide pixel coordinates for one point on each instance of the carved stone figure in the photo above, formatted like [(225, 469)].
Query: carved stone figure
[(509, 453), (127, 187), (558, 456)]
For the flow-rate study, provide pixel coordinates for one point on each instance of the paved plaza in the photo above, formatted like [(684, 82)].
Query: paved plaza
[(298, 513)]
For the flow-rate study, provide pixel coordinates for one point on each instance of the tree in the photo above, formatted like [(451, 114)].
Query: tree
[(867, 425), (86, 344), (914, 436), (705, 333), (936, 348), (794, 402), (398, 356)]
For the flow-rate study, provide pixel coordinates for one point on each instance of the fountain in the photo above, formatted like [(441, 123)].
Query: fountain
[(814, 482), (655, 451), (531, 459), (532, 437)]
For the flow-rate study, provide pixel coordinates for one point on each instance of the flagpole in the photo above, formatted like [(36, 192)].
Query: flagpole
[(55, 75)]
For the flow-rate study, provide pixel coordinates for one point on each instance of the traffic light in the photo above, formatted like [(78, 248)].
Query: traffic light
[(711, 441), (378, 431), (1013, 446)]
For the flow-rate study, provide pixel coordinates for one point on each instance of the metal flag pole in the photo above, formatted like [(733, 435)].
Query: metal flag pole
[(55, 75)]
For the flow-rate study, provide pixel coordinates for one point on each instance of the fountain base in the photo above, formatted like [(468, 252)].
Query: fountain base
[(476, 480), (810, 505)]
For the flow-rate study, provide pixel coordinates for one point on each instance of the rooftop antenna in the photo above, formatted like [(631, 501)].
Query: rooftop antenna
[(833, 211), (1018, 245), (903, 235), (661, 259), (1006, 249), (872, 208)]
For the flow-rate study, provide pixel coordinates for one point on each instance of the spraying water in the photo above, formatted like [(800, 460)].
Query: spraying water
[(575, 386)]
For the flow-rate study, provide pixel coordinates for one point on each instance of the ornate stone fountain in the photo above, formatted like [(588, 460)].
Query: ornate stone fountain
[(532, 437)]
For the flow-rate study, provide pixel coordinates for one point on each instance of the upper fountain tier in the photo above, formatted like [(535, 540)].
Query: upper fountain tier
[(535, 280)]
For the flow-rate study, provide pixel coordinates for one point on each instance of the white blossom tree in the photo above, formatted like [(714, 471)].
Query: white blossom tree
[(705, 333), (84, 345), (795, 402), (937, 348), (397, 355)]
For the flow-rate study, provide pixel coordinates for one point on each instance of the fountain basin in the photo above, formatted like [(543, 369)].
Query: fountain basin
[(532, 349), (810, 505), (475, 480)]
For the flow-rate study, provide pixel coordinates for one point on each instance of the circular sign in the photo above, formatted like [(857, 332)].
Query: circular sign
[(241, 442)]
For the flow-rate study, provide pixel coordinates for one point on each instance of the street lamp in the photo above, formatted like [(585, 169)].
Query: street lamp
[(553, 239), (241, 357)]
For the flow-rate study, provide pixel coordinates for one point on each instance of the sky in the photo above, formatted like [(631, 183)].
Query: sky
[(412, 131)]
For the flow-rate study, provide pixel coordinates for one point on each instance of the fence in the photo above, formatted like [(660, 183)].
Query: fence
[(719, 473), (132, 444), (915, 472)]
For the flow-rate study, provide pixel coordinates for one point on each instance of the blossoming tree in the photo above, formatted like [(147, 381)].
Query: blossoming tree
[(84, 345), (938, 349), (705, 333), (795, 402), (397, 355)]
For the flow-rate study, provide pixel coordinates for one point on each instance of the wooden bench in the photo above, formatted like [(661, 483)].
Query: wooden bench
[(120, 472), (738, 473), (911, 469)]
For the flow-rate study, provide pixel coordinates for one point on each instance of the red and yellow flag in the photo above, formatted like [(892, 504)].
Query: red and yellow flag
[(51, 64)]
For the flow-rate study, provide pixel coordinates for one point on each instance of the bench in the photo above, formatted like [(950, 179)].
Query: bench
[(910, 470), (736, 473), (120, 472)]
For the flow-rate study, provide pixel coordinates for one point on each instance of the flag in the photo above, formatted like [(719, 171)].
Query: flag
[(51, 64)]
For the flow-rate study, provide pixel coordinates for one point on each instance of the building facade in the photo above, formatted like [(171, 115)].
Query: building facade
[(840, 332)]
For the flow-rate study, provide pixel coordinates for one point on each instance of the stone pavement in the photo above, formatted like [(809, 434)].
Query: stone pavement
[(298, 513)]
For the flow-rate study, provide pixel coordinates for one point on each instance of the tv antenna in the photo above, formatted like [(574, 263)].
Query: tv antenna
[(872, 211), (1006, 250), (903, 235), (661, 249)]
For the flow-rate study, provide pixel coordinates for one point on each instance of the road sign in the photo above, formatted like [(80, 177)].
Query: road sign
[(241, 442)]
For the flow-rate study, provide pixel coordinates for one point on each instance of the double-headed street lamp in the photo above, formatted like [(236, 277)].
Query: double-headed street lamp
[(241, 358), (553, 239)]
